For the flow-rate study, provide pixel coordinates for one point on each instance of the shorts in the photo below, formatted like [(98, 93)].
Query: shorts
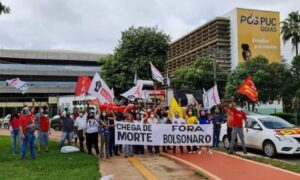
[(44, 138)]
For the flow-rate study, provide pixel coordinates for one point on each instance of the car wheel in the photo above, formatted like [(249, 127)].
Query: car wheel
[(269, 149), (6, 126), (226, 142), (56, 128)]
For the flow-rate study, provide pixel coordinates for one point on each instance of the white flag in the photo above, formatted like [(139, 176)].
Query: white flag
[(211, 97), (17, 83), (100, 90), (156, 74), (134, 92)]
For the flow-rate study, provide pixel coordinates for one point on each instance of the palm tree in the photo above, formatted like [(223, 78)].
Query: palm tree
[(4, 9), (291, 29)]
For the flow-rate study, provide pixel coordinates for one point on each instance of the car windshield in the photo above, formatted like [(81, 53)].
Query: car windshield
[(275, 123)]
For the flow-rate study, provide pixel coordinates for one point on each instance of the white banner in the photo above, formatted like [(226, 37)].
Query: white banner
[(18, 84), (100, 90), (211, 97), (163, 134)]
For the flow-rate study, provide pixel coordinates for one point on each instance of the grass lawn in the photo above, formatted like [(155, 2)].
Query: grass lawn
[(52, 165)]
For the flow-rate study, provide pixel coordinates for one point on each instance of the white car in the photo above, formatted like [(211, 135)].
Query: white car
[(270, 134), (5, 122)]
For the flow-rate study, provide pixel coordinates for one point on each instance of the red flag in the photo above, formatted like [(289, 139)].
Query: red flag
[(83, 85), (248, 89)]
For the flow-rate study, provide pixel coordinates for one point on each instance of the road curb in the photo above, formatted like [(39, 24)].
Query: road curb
[(191, 165), (258, 163)]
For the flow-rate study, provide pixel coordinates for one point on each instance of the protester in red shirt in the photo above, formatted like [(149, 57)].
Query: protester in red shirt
[(15, 131), (44, 129), (27, 128), (238, 117)]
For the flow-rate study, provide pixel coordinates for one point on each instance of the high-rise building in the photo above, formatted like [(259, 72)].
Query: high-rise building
[(234, 38)]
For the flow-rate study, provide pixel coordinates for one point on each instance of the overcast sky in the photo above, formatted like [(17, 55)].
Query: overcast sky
[(96, 25)]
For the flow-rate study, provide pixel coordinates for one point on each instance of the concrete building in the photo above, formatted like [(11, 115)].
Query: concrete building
[(230, 39), (48, 74)]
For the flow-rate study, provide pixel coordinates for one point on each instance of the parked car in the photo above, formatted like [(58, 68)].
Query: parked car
[(270, 134), (4, 122), (55, 123)]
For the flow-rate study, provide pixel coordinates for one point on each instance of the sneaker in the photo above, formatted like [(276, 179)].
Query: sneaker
[(230, 152), (245, 152), (194, 152), (210, 152), (190, 152), (200, 152)]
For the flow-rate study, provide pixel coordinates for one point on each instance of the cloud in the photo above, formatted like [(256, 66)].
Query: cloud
[(95, 26)]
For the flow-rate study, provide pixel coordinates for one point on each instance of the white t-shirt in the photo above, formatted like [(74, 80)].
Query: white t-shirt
[(178, 120), (80, 122), (152, 120), (92, 126)]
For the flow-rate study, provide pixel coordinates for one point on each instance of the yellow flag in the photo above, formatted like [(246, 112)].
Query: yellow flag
[(173, 108)]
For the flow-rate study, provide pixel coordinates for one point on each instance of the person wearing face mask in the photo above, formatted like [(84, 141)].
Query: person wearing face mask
[(203, 119), (44, 129), (79, 127), (92, 134), (153, 120), (104, 135), (177, 120), (67, 129), (27, 128), (191, 119), (217, 120)]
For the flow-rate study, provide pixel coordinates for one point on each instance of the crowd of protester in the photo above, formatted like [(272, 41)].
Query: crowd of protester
[(89, 127)]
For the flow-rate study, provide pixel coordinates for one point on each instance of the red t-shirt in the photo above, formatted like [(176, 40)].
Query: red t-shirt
[(25, 121), (15, 123), (44, 124), (238, 117)]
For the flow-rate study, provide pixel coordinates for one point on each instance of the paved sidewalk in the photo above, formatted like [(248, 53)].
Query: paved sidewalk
[(223, 166)]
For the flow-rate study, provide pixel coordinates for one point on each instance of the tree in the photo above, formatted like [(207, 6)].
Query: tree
[(198, 76), (291, 29), (273, 81), (296, 66), (4, 9), (136, 49)]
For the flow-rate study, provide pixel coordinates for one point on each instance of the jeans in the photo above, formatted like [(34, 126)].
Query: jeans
[(237, 131), (216, 136), (44, 138), (28, 141), (64, 136), (128, 150), (111, 144), (16, 134), (104, 142)]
